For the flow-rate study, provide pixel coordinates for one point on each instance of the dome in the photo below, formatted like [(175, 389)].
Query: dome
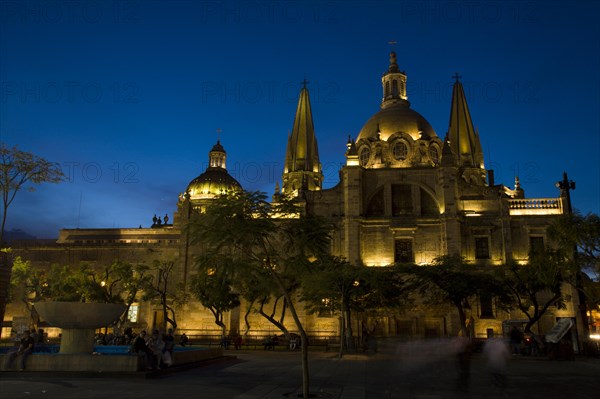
[(215, 180), (396, 118), (211, 183)]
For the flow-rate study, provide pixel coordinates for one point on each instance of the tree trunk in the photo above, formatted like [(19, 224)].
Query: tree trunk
[(273, 321), (246, 319), (303, 336)]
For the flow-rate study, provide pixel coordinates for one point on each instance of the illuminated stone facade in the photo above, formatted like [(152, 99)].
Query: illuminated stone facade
[(405, 195)]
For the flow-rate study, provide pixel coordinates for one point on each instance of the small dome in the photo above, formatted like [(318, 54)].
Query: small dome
[(396, 118), (218, 147), (213, 182)]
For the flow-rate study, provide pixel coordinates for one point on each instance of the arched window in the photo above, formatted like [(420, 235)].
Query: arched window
[(365, 154), (434, 154)]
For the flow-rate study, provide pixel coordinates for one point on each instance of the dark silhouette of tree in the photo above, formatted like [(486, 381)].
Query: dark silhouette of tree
[(162, 289), (213, 289), (17, 168), (537, 285), (450, 280), (578, 238), (263, 239)]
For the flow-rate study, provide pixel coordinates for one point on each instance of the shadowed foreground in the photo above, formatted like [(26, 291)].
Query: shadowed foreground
[(424, 369)]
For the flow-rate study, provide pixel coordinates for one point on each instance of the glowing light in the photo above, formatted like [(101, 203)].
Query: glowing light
[(594, 336)]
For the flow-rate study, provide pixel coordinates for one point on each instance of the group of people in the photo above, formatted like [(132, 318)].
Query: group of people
[(156, 348)]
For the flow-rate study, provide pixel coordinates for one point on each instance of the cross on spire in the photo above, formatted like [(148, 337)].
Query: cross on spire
[(219, 131), (456, 76), (392, 43), (304, 83)]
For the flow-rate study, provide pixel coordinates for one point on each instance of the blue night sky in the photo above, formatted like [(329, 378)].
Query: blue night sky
[(127, 96)]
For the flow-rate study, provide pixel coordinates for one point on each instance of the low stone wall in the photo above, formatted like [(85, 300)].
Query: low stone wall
[(77, 362), (104, 363)]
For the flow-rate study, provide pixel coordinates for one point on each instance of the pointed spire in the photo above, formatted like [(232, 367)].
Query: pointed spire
[(464, 140), (448, 158), (351, 153), (302, 153), (351, 147)]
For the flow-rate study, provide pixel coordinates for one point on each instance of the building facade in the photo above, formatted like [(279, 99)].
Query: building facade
[(406, 194)]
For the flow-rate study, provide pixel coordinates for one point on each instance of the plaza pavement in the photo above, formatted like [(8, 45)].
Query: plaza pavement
[(419, 370)]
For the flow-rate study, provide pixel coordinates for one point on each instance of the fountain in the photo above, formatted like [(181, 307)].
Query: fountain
[(78, 322)]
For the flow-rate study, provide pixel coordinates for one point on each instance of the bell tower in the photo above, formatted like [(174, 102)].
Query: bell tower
[(302, 169)]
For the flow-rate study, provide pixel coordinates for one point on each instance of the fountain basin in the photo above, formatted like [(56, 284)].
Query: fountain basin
[(79, 315), (78, 321)]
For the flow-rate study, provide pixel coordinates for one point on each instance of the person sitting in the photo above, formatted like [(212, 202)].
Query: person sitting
[(293, 343), (141, 347), (26, 345), (184, 340), (156, 345)]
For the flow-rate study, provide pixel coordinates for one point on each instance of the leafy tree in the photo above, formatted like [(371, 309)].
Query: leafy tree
[(536, 286), (17, 168), (582, 234), (28, 283), (333, 284), (273, 240), (449, 280), (578, 238), (160, 288), (214, 291)]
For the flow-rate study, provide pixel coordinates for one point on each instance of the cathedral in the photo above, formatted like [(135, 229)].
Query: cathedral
[(406, 194)]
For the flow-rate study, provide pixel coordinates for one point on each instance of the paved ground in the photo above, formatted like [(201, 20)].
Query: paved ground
[(418, 370)]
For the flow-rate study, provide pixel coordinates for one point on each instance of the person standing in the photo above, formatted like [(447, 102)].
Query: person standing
[(496, 353), (516, 337)]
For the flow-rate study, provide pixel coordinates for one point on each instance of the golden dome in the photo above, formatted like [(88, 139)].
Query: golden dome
[(394, 119), (213, 182)]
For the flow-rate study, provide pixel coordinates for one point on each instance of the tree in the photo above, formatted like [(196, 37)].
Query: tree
[(536, 286), (449, 280), (276, 240), (578, 238), (17, 168), (29, 283), (213, 289), (160, 288), (333, 284), (581, 233)]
